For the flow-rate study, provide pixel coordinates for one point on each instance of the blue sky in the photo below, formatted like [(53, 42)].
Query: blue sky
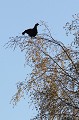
[(15, 16)]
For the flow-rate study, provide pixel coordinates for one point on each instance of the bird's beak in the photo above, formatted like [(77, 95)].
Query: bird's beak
[(39, 25)]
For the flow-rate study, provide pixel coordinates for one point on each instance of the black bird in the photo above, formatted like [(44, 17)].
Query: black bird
[(32, 32)]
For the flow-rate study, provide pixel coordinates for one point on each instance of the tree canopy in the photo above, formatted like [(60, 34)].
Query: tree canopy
[(53, 84)]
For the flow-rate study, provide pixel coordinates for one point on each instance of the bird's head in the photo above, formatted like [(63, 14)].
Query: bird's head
[(36, 24)]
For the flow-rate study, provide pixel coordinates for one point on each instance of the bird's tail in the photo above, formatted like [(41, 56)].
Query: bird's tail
[(23, 32)]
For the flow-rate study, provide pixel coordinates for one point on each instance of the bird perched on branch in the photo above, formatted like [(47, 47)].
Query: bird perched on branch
[(32, 32)]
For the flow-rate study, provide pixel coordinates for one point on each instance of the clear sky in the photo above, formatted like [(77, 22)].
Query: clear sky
[(15, 16)]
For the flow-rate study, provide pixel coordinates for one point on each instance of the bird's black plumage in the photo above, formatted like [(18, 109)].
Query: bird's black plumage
[(31, 32)]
